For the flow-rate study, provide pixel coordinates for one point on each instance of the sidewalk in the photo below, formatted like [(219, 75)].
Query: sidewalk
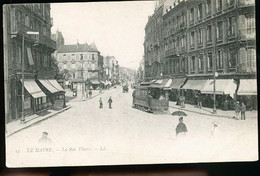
[(69, 95), (209, 111), (16, 126)]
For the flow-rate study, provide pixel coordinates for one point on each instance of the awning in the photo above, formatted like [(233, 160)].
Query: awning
[(55, 84), (247, 87), (48, 86), (31, 86), (194, 84), (162, 83), (223, 86), (103, 82), (94, 81), (177, 83)]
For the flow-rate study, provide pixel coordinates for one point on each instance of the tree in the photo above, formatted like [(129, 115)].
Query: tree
[(54, 66)]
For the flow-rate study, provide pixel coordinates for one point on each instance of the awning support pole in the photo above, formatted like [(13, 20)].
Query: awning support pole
[(22, 118)]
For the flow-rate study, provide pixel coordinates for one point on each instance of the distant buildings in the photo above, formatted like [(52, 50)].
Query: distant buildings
[(58, 38), (127, 75), (81, 62), (141, 71), (24, 45), (111, 68)]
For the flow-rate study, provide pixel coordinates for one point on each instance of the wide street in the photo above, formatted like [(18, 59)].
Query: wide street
[(87, 135)]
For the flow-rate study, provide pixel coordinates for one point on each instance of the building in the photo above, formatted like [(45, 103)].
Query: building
[(202, 37), (111, 68), (140, 72), (127, 75), (81, 62), (58, 38), (30, 48)]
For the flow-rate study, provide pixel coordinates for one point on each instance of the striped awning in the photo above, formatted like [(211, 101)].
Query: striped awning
[(247, 87), (32, 88)]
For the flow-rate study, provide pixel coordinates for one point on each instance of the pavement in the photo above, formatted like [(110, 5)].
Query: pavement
[(209, 111), (16, 126)]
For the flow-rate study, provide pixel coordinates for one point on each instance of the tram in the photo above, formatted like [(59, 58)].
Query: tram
[(150, 99)]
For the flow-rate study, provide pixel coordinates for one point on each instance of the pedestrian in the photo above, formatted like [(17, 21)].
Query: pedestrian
[(213, 127), (133, 95), (90, 93), (199, 101), (225, 105), (110, 102), (100, 103), (182, 102), (243, 111), (181, 127), (45, 139), (237, 110)]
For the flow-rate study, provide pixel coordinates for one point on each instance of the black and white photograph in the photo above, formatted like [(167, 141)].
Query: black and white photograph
[(130, 83)]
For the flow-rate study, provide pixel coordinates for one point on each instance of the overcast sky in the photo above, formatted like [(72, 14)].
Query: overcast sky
[(117, 28)]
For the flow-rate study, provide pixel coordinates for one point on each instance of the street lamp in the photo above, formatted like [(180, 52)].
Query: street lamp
[(29, 33), (214, 92), (82, 77)]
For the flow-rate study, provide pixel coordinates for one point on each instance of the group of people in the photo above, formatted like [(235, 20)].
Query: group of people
[(109, 103), (240, 109)]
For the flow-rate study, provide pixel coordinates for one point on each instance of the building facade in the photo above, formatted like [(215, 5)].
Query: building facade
[(32, 49), (80, 61), (203, 38), (111, 67), (58, 38)]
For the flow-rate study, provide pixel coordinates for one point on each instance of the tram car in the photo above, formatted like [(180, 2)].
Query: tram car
[(149, 99)]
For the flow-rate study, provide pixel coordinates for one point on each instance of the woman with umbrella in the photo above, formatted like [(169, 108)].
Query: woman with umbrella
[(181, 127)]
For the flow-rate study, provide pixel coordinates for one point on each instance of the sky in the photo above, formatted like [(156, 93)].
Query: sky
[(117, 28)]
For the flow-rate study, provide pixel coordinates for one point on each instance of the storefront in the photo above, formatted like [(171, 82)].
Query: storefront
[(175, 87), (34, 98), (191, 89), (55, 93), (247, 93), (94, 83), (224, 89)]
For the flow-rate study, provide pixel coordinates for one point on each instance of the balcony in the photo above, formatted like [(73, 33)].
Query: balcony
[(170, 52), (246, 3), (246, 34)]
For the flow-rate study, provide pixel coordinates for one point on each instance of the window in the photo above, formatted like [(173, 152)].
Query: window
[(219, 5), (73, 66), (231, 26), (208, 7), (250, 25), (27, 21), (230, 2), (93, 57), (199, 11), (232, 61), (209, 62), (251, 58), (81, 57), (192, 39), (178, 21), (200, 36), (191, 15), (182, 41), (219, 30), (219, 59), (192, 64), (209, 34), (201, 63)]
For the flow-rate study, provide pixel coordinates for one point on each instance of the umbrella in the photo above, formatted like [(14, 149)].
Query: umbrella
[(179, 113)]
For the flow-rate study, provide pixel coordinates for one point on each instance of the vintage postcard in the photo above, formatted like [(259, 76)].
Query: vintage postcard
[(123, 83)]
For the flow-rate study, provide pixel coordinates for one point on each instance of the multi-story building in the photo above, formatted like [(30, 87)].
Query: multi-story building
[(81, 62), (34, 50), (58, 38), (202, 37), (153, 48), (111, 68), (140, 71)]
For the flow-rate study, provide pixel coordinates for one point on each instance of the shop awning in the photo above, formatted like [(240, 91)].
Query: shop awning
[(247, 87), (161, 83), (147, 82), (48, 86), (194, 84), (177, 83), (103, 82), (32, 87), (94, 81), (223, 86), (30, 58), (55, 84)]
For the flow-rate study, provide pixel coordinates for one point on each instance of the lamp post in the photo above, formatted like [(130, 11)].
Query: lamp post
[(214, 92), (82, 78), (29, 33)]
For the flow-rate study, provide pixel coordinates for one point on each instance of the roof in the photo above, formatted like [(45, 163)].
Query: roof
[(76, 48)]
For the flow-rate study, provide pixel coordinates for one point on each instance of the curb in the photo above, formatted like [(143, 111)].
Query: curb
[(214, 115), (48, 116)]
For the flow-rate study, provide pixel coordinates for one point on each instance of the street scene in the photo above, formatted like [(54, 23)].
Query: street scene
[(173, 83)]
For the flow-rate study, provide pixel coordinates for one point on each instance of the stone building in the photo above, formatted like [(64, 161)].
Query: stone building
[(31, 49), (206, 37), (58, 38), (81, 62), (111, 68)]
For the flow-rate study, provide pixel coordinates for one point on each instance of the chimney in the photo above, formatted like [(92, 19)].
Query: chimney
[(77, 43)]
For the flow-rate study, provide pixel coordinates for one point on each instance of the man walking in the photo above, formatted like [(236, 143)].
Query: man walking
[(100, 103), (90, 93), (110, 102), (243, 111), (237, 110), (199, 101)]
